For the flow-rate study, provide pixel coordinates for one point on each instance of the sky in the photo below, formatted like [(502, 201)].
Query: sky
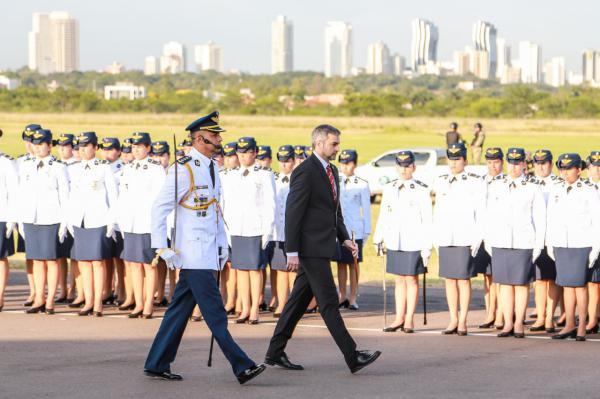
[(129, 30)]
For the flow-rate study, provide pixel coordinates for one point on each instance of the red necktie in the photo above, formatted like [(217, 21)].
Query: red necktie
[(331, 181)]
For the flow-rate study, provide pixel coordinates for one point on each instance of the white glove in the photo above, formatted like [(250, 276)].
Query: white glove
[(593, 257), (21, 230), (488, 248), (425, 254), (265, 241), (550, 251), (475, 248), (168, 255), (379, 249), (10, 227), (223, 256), (536, 254), (110, 232), (62, 232), (70, 229)]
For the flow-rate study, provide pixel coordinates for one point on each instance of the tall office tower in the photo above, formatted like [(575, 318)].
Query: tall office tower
[(554, 72), (462, 62), (424, 43), (484, 39), (398, 64), (530, 62), (378, 59), (54, 43), (338, 49), (282, 45), (151, 65), (591, 66), (504, 60), (209, 57), (173, 59)]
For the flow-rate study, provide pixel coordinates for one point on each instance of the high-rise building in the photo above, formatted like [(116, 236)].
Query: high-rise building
[(54, 43), (338, 49), (424, 43), (209, 57), (479, 64), (461, 62), (591, 66), (554, 72), (378, 59), (504, 60), (484, 39), (282, 45), (530, 62), (398, 65), (151, 65), (173, 58)]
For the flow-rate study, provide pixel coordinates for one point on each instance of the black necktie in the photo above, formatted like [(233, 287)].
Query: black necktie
[(211, 169), (453, 180), (569, 189), (285, 179), (40, 165)]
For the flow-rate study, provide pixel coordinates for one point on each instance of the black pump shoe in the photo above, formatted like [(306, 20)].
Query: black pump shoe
[(394, 329), (505, 334), (487, 325), (593, 330), (37, 309), (344, 304), (570, 334), (450, 332)]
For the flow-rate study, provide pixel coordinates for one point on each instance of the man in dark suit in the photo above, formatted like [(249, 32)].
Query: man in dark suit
[(313, 221)]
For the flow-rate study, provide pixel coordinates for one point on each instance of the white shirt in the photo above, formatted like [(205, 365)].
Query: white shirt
[(547, 183), (248, 202), (138, 188), (282, 189), (9, 188), (355, 200), (515, 214), (573, 216), (200, 233), (43, 191), (94, 194), (458, 214), (405, 217)]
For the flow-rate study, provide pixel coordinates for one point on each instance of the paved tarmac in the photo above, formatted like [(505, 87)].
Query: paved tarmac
[(66, 356)]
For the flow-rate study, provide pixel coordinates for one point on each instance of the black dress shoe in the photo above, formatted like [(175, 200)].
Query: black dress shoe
[(497, 327), (250, 373), (242, 320), (37, 309), (580, 338), (165, 375), (487, 325), (408, 330), (61, 300), (593, 330), (98, 314), (70, 300), (253, 322), (353, 307), (263, 307), (283, 362), (85, 312), (272, 308), (394, 328), (550, 330), (49, 311), (561, 323), (537, 328), (461, 333), (135, 315), (162, 304), (27, 304), (309, 311), (149, 316), (519, 335), (505, 334), (533, 316), (127, 307), (230, 312), (344, 304), (109, 301), (570, 334), (450, 332), (77, 305), (363, 359)]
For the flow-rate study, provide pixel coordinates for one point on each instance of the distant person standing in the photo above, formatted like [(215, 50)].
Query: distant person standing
[(453, 136), (477, 143)]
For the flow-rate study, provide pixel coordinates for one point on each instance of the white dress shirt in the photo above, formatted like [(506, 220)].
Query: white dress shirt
[(9, 189), (355, 200), (282, 189)]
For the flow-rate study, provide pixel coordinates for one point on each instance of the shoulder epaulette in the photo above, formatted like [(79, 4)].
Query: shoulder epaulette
[(8, 157), (276, 174), (184, 160), (420, 183), (357, 179), (474, 175), (531, 179), (267, 168), (104, 162), (22, 156), (443, 176), (152, 161), (588, 183), (73, 163)]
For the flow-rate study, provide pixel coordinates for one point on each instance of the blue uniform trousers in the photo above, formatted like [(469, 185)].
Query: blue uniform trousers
[(194, 287)]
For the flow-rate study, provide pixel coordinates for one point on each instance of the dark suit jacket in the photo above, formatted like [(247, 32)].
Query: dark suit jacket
[(313, 220)]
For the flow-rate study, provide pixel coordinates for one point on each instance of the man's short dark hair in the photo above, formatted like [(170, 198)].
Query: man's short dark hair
[(322, 131)]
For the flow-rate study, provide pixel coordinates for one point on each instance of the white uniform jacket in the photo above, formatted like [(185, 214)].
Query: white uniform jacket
[(282, 189), (9, 189), (355, 199)]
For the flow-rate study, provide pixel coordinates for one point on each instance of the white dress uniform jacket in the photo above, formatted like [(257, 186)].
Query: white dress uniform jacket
[(282, 189), (405, 217), (573, 216), (9, 188), (43, 192), (94, 194), (139, 186), (459, 210), (516, 214), (355, 199), (547, 183), (199, 233), (248, 202)]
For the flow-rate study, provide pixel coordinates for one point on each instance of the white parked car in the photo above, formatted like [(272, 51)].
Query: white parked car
[(430, 162)]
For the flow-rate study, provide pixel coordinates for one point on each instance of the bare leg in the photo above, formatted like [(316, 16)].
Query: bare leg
[(493, 299), (161, 281), (99, 281), (400, 297), (120, 272), (412, 298), (283, 289), (78, 281), (541, 291), (593, 304), (172, 283), (569, 299), (243, 279), (4, 270), (507, 295), (63, 274), (109, 279), (150, 289), (552, 303), (256, 280), (582, 307), (52, 270), (342, 280), (137, 280), (274, 287), (561, 302), (231, 283), (452, 299), (464, 290), (128, 279), (87, 276), (30, 280), (521, 297)]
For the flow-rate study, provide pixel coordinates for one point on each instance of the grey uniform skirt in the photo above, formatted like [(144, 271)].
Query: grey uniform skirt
[(512, 266), (572, 266), (545, 268), (137, 248), (41, 241), (7, 245), (483, 262), (247, 253), (91, 244), (276, 255), (456, 263), (404, 263)]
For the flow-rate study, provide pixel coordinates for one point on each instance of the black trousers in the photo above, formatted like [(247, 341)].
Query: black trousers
[(314, 279)]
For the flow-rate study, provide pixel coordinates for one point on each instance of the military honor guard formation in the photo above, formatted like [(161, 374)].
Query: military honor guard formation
[(107, 223)]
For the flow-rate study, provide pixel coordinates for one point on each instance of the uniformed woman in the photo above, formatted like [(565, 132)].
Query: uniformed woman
[(404, 228), (594, 284), (299, 155), (355, 200), (516, 215), (140, 183), (44, 193), (284, 279), (126, 154), (458, 225), (93, 200), (572, 236)]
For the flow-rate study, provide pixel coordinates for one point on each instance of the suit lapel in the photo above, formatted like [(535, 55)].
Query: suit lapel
[(321, 170)]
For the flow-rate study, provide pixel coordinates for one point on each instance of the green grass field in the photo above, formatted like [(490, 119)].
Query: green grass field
[(369, 136)]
